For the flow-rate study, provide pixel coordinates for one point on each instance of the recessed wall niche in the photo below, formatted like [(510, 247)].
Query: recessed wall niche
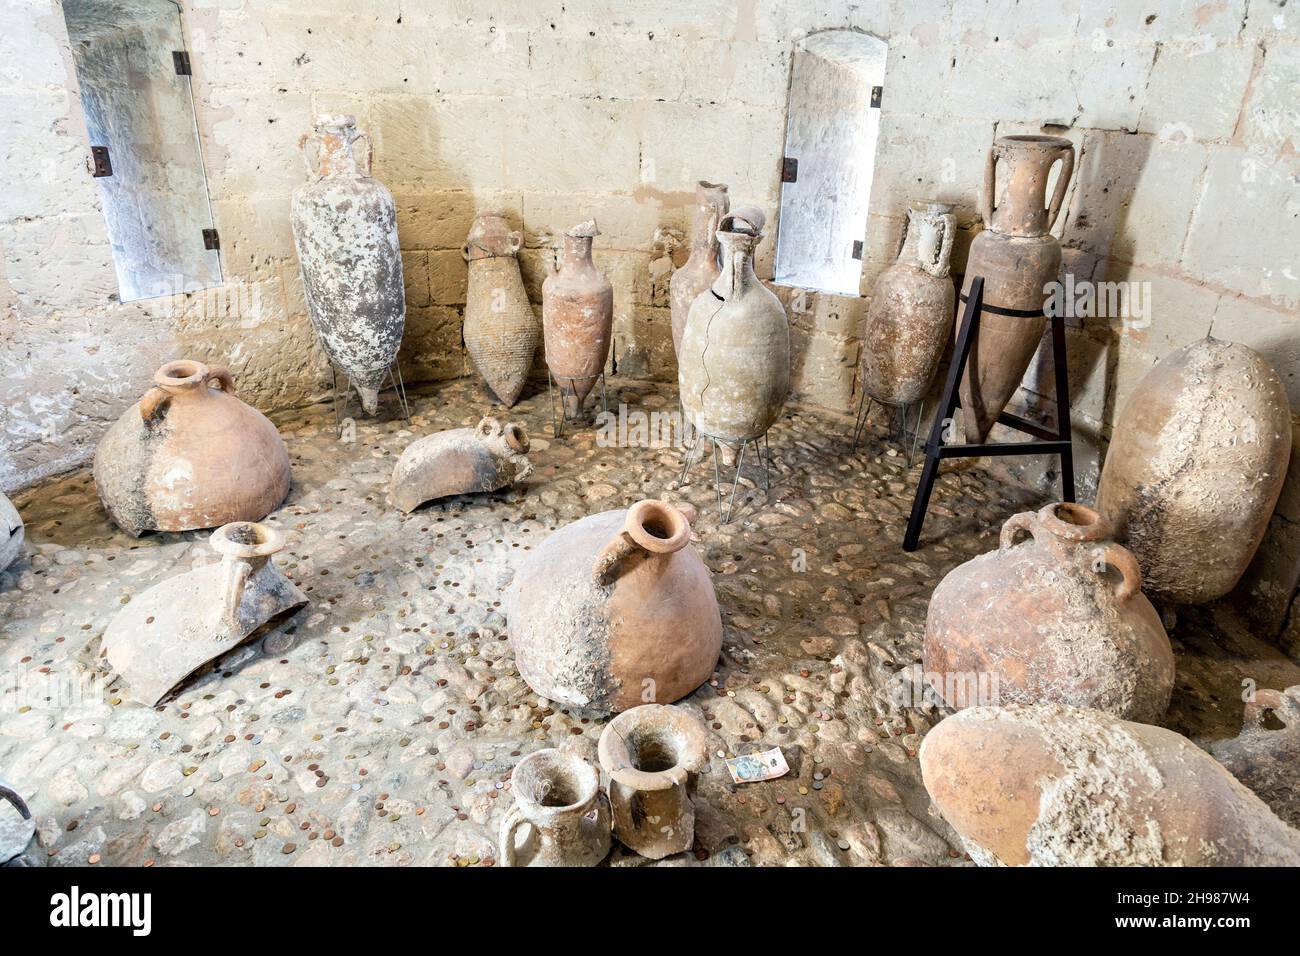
[(133, 73), (834, 116)]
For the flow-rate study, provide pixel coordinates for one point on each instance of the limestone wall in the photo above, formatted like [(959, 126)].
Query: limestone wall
[(1185, 116)]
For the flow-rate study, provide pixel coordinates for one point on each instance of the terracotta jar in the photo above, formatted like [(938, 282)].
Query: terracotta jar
[(11, 533), (615, 610), (1017, 256), (501, 329), (652, 755), (702, 269), (1056, 614), (173, 629), (1267, 758), (577, 319), (345, 230), (910, 321), (1195, 468), (733, 369), (558, 796), (460, 461), (1049, 785), (189, 455)]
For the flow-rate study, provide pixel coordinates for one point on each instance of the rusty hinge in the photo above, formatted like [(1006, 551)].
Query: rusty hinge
[(103, 165), (210, 239), (789, 170), (876, 93), (181, 59), (857, 249)]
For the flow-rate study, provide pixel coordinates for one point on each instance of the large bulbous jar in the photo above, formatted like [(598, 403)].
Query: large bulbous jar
[(702, 269), (911, 316), (501, 328), (577, 318), (1195, 468), (616, 610), (345, 229), (1058, 616), (733, 370), (1048, 785), (1017, 256), (190, 455)]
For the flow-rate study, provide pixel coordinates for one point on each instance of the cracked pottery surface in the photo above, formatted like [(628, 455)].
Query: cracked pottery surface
[(380, 725)]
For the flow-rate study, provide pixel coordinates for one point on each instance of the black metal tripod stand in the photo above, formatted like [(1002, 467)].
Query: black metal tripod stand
[(1046, 441)]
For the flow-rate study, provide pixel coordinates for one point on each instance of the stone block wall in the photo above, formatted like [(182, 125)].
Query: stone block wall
[(1185, 117)]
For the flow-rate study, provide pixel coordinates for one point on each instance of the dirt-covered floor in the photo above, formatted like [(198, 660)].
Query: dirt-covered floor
[(380, 724)]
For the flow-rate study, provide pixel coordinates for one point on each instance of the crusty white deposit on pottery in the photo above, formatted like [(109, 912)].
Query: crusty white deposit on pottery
[(1196, 467), (1116, 778), (345, 231)]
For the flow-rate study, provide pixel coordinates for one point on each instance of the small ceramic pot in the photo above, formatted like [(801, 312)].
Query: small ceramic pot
[(651, 755), (558, 795)]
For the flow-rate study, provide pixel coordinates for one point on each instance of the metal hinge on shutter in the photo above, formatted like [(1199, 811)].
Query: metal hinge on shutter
[(857, 249), (789, 170), (876, 93), (103, 165), (181, 58), (210, 239)]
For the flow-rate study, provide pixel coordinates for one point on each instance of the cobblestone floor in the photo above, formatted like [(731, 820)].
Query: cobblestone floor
[(381, 723)]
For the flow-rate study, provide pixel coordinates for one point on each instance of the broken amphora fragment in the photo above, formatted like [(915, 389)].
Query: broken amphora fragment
[(460, 461), (1267, 758), (17, 830), (11, 532), (189, 456), (174, 628), (1050, 785), (615, 610), (558, 796), (652, 755)]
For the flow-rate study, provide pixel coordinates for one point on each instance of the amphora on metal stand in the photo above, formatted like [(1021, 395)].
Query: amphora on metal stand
[(734, 366), (702, 269), (1017, 256), (345, 230), (911, 317), (501, 329), (577, 323)]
